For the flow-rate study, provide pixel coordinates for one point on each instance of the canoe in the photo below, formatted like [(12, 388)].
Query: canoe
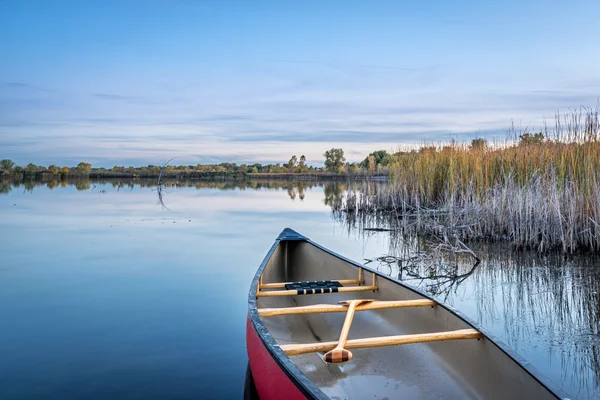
[(321, 326)]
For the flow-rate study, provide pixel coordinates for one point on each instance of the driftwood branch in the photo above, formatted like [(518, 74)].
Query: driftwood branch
[(160, 187), (431, 266)]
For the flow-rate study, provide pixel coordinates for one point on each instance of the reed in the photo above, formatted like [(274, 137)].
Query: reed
[(540, 192)]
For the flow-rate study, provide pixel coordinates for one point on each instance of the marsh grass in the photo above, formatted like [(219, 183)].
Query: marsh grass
[(542, 192)]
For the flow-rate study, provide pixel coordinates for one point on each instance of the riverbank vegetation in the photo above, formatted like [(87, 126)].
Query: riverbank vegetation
[(541, 192), (335, 165)]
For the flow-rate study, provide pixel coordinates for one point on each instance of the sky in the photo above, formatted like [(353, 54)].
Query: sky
[(140, 82)]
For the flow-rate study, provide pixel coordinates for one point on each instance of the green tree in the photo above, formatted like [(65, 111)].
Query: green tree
[(479, 144), (334, 159), (84, 168), (53, 169), (380, 157), (7, 164), (531, 139), (31, 168)]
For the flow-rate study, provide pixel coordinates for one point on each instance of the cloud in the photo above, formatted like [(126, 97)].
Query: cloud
[(22, 86), (270, 113), (110, 96), (14, 85)]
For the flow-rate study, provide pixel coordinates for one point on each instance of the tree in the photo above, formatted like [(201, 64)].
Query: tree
[(372, 164), (53, 169), (31, 168), (302, 164), (334, 159), (380, 157), (84, 168), (531, 139), (292, 162), (479, 144), (7, 164), (353, 168)]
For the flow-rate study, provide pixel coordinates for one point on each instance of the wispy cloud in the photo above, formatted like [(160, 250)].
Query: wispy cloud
[(111, 96), (265, 118)]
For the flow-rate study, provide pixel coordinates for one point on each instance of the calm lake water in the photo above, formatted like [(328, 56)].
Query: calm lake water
[(106, 293)]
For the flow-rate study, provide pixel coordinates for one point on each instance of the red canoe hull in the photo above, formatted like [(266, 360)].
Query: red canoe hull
[(270, 380)]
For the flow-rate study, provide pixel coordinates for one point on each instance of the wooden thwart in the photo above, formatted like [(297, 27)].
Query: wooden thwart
[(294, 292), (332, 308), (297, 349), (281, 285)]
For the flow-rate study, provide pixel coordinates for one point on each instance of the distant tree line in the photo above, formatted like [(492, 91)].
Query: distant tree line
[(377, 162), (334, 163)]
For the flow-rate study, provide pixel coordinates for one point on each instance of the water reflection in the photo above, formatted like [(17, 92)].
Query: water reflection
[(294, 189), (549, 302), (546, 308)]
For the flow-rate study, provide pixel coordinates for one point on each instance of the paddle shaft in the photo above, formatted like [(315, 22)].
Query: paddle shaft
[(339, 354), (347, 323)]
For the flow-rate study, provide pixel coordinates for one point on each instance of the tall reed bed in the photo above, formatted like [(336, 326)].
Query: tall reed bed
[(541, 191)]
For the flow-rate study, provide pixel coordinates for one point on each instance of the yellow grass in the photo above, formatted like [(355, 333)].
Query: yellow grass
[(536, 193)]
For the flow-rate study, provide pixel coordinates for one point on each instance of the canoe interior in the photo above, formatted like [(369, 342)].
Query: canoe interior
[(444, 370)]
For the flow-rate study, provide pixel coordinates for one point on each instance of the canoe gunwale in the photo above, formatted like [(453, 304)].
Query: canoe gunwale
[(305, 385), (296, 376)]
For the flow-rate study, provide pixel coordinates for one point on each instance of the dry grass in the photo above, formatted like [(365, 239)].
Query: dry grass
[(541, 194)]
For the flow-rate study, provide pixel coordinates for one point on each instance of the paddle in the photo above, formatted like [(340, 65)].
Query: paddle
[(339, 354)]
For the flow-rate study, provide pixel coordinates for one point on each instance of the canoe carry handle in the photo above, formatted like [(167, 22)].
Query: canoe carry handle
[(339, 354), (297, 349)]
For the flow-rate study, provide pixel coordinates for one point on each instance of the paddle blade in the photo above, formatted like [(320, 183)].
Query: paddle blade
[(337, 356)]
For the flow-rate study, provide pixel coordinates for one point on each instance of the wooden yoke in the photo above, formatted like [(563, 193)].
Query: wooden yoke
[(339, 354)]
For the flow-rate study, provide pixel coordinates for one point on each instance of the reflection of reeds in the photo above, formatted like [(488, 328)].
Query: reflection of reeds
[(548, 302), (543, 304), (540, 194), (547, 305)]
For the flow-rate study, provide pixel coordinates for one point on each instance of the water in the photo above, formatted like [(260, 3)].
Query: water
[(106, 293)]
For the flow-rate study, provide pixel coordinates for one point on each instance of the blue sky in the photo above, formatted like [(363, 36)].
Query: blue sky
[(140, 82)]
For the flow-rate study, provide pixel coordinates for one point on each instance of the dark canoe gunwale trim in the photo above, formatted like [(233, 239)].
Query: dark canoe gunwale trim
[(305, 385)]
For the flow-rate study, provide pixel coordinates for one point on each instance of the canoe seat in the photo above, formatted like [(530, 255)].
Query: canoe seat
[(315, 287)]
